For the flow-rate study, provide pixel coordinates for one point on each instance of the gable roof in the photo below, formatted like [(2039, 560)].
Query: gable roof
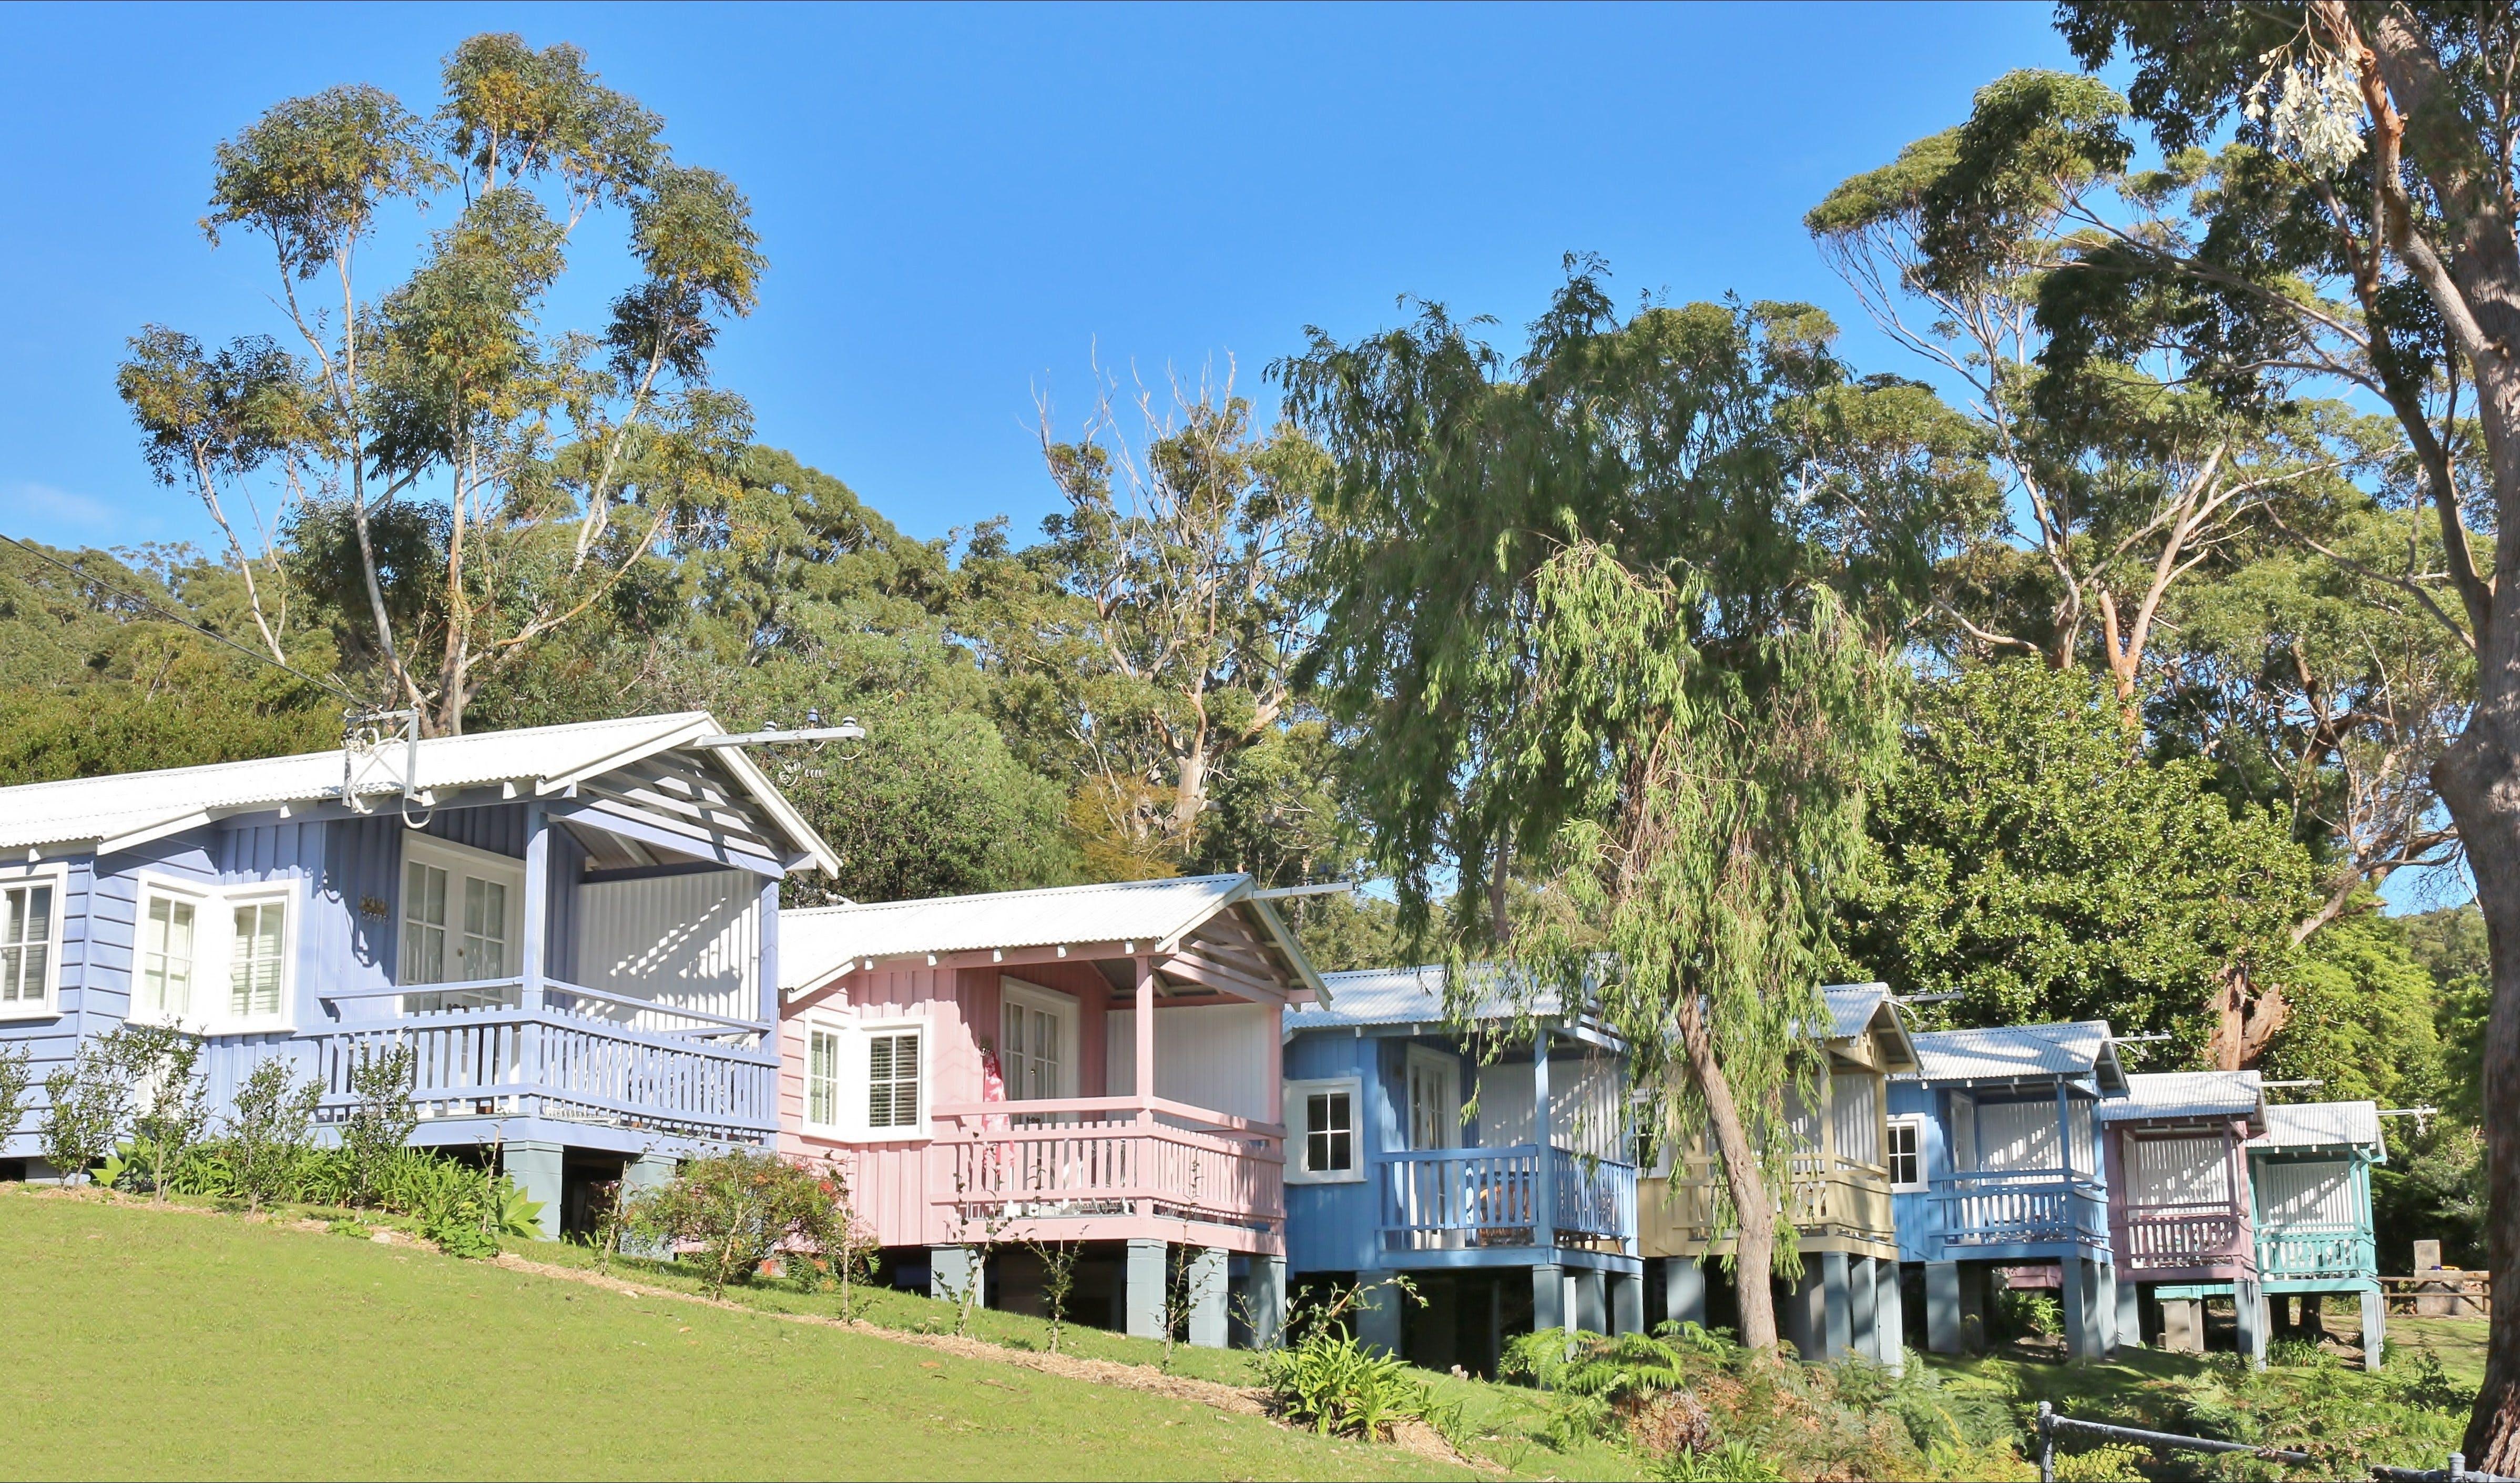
[(2188, 1094), (1855, 1008), (2323, 1125), (817, 944), (2080, 1047), (128, 809), (1416, 996)]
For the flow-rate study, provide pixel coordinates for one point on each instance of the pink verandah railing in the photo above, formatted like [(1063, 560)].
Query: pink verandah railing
[(478, 1050), (1107, 1156), (2190, 1234)]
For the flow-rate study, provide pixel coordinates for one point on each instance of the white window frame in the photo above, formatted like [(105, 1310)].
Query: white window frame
[(291, 899), (1914, 1122), (459, 861), (861, 1063), (846, 1034), (1033, 996), (59, 878), (1299, 1130), (211, 928)]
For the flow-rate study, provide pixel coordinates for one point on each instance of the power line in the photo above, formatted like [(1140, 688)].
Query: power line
[(167, 614)]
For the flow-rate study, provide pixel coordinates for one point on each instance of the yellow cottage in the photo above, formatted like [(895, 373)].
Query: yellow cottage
[(1848, 1298)]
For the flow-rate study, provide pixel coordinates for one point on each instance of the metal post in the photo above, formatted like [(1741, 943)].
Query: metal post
[(2046, 1443)]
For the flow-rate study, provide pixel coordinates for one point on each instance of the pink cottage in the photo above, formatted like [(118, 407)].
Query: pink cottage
[(986, 1071)]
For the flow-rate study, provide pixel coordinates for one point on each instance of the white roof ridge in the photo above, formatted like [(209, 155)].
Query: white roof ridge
[(427, 743), (862, 908)]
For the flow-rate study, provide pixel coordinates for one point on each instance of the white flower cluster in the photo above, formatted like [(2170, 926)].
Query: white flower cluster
[(2316, 110)]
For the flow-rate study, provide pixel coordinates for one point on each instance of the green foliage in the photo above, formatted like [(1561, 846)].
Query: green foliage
[(17, 1075), (380, 1120), (2030, 862), (2361, 1016), (269, 1130), (164, 1066), (1731, 1462), (1330, 1383), (2031, 1311), (87, 1107), (734, 1210)]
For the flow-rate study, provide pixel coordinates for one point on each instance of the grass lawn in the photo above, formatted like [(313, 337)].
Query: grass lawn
[(1500, 1424), (150, 1343), (2458, 1343)]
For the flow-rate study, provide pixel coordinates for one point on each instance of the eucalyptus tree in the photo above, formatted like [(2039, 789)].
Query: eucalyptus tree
[(2122, 479), (2357, 231), (1621, 616), (510, 481), (1156, 640)]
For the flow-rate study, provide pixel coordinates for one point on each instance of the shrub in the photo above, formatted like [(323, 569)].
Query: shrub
[(1332, 1384), (16, 1074), (164, 1067), (90, 1107), (1731, 1462), (268, 1132), (2031, 1311), (380, 1120), (733, 1211)]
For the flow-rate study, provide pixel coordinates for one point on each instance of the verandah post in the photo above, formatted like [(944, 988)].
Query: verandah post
[(1543, 1181), (529, 995), (1145, 1030)]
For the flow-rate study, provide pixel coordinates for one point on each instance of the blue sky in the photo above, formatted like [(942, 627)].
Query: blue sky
[(964, 207)]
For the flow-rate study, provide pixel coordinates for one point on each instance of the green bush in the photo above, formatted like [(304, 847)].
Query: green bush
[(733, 1211), (2031, 1311), (1332, 1384)]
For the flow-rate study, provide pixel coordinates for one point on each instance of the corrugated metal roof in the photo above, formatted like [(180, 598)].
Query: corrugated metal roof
[(128, 808), (2076, 1049), (2187, 1094), (819, 943), (1854, 1006), (2323, 1125), (1413, 995)]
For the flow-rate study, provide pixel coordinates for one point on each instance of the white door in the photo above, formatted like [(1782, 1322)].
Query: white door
[(1434, 1101)]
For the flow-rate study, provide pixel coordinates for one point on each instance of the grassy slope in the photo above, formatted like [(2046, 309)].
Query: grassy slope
[(150, 1343)]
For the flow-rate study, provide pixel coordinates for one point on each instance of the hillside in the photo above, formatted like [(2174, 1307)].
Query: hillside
[(174, 1343)]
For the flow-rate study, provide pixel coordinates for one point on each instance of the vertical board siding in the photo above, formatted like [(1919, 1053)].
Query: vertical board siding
[(889, 1185), (1855, 1115), (690, 941), (1208, 1055), (2017, 1135), (2180, 1171), (2308, 1193), (1586, 1105)]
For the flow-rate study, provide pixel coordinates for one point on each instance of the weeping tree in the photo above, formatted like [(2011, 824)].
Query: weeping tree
[(1612, 628)]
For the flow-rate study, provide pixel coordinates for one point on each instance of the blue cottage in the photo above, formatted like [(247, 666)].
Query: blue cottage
[(1996, 1175), (574, 930), (1413, 1151)]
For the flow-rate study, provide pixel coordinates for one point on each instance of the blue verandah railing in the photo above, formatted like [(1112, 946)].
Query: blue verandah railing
[(582, 1055), (1452, 1198), (2019, 1208)]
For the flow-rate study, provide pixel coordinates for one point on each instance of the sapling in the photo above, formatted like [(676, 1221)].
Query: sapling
[(380, 1121), (269, 1130), (163, 1064), (89, 1104), (1057, 1280), (16, 1074)]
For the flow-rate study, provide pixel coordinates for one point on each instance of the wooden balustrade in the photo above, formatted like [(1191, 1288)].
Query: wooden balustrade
[(478, 1051), (2021, 1207), (2177, 1237), (1836, 1196), (1439, 1200), (2309, 1253), (1083, 1156)]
